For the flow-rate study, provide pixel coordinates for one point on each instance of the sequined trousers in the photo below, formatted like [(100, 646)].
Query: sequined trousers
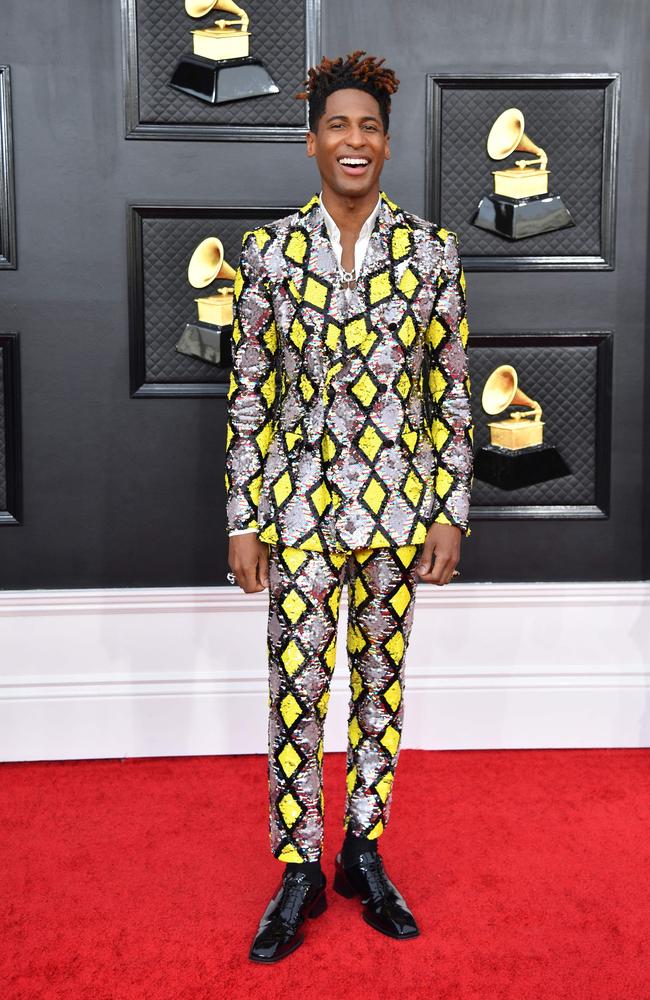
[(304, 597)]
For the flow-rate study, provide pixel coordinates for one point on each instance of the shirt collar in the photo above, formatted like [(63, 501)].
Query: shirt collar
[(333, 229)]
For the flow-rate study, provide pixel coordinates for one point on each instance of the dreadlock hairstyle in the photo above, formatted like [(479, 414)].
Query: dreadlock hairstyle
[(354, 72)]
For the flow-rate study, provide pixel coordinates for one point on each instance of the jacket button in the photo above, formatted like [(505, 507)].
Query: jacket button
[(309, 446), (392, 326), (382, 388)]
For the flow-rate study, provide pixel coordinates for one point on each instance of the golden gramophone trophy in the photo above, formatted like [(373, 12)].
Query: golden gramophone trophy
[(209, 339), (220, 67), (517, 455), (521, 204)]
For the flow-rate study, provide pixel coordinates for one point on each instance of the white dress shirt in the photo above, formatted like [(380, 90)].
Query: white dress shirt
[(360, 248)]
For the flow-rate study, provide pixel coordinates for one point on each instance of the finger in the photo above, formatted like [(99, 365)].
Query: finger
[(263, 569), (426, 558), (438, 568)]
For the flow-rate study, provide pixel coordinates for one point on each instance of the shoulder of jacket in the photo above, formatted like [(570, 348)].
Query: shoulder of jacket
[(271, 231), (440, 233)]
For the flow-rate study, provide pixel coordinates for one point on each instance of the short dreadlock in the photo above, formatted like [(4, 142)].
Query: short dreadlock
[(367, 74)]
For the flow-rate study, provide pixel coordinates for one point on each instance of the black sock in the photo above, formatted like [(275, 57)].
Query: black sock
[(311, 869), (353, 846)]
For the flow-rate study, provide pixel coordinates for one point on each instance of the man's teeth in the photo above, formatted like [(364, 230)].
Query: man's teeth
[(353, 161)]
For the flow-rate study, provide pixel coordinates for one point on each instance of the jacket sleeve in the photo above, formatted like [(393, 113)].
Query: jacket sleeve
[(448, 386), (252, 388)]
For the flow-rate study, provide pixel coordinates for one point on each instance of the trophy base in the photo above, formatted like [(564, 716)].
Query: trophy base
[(517, 218), (222, 81), (512, 470), (206, 342)]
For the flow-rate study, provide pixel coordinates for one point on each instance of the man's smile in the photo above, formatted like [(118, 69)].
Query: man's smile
[(353, 165)]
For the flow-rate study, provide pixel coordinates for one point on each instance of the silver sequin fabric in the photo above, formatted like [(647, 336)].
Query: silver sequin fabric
[(349, 419), (304, 597)]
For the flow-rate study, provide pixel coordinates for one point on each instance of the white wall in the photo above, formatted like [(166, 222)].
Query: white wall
[(121, 673)]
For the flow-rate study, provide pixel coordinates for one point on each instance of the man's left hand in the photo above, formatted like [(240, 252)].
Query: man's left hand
[(440, 554)]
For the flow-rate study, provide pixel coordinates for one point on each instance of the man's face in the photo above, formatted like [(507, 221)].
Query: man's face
[(350, 145)]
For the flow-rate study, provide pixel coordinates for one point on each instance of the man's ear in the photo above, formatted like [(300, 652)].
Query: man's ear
[(387, 147), (311, 143)]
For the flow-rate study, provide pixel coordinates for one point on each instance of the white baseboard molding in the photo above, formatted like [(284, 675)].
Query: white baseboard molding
[(158, 672)]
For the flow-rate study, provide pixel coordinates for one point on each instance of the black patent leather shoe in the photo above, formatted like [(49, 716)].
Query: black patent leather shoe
[(384, 907), (280, 930)]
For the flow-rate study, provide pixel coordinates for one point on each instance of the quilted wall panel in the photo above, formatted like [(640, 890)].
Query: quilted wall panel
[(278, 38), (3, 437), (564, 381), (168, 242), (567, 122)]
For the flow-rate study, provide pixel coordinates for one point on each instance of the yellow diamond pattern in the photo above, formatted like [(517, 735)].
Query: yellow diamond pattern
[(355, 331), (463, 329), (379, 287), (376, 831), (408, 283), (351, 779), (400, 242), (289, 759), (437, 383), (440, 434), (354, 731), (400, 601), (315, 293), (307, 389), (283, 488), (330, 655), (290, 809), (435, 333), (297, 246), (297, 334), (390, 740), (403, 385), (356, 683), (322, 704), (383, 786), (443, 482), (413, 487), (395, 647), (374, 494), (293, 606), (294, 558), (407, 332), (291, 657), (289, 853), (364, 389), (290, 710), (320, 497), (393, 694), (370, 442), (264, 437)]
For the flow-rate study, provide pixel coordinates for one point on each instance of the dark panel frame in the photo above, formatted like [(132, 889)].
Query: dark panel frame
[(9, 347), (7, 197), (137, 334), (609, 82), (135, 129), (603, 341)]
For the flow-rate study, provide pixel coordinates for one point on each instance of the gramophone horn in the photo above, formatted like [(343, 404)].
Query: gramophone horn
[(207, 263), (507, 135), (501, 391), (199, 8)]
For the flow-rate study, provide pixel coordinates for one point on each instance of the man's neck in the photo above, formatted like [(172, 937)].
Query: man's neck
[(349, 214)]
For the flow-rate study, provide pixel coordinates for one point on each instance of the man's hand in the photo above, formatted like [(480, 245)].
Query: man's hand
[(248, 559), (440, 554)]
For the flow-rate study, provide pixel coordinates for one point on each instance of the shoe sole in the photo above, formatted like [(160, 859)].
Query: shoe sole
[(318, 906), (344, 887)]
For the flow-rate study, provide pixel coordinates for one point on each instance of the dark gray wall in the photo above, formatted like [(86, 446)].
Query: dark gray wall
[(121, 491)]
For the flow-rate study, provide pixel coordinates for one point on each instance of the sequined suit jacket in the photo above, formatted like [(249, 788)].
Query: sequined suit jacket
[(349, 422)]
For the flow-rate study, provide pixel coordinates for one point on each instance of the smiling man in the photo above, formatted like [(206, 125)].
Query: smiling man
[(348, 460)]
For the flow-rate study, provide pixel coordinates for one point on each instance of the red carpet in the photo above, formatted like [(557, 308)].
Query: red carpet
[(529, 873)]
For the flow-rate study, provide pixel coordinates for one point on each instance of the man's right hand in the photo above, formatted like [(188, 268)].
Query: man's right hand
[(248, 558)]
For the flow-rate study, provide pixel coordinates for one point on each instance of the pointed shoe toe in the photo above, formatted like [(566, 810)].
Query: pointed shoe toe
[(384, 907), (281, 929)]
